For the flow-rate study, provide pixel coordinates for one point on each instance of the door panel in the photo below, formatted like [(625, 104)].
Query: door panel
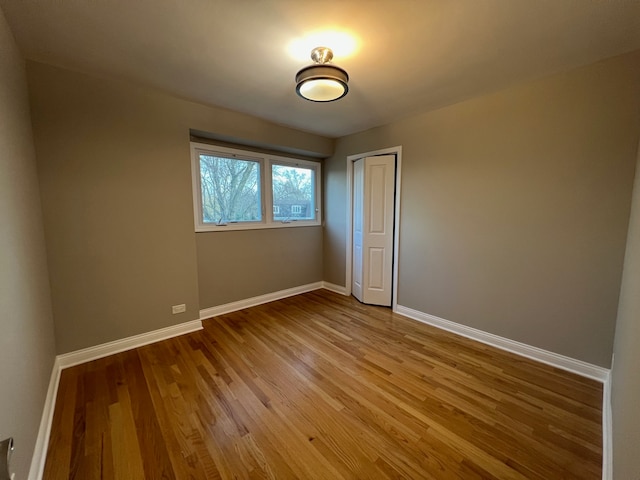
[(376, 180), (373, 203), (376, 269)]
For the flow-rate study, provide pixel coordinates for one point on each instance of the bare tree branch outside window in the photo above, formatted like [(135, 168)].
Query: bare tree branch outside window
[(230, 190)]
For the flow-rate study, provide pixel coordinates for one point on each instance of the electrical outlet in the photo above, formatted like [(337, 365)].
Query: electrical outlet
[(179, 308)]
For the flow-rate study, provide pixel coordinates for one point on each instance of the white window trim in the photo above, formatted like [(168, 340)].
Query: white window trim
[(266, 161)]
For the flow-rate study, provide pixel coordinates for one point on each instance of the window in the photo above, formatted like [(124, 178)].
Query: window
[(293, 188), (231, 190)]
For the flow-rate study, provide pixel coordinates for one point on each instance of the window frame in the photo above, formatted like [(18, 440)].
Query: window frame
[(266, 189)]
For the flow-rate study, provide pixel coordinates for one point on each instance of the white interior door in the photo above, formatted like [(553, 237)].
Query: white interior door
[(373, 215)]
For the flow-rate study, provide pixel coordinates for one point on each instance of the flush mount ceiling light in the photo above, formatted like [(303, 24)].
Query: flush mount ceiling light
[(322, 82)]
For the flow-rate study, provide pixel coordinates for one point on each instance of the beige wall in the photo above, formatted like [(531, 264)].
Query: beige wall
[(515, 207), (626, 368), (237, 265), (115, 173), (26, 330)]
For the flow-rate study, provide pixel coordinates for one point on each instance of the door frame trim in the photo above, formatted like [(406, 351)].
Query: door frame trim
[(397, 151)]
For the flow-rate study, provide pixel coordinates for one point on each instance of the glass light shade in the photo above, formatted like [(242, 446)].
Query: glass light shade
[(322, 83), (322, 90)]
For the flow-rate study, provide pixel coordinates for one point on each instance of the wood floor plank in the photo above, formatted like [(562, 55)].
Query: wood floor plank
[(155, 458), (319, 386)]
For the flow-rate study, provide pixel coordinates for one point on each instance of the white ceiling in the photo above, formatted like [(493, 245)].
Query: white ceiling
[(413, 55)]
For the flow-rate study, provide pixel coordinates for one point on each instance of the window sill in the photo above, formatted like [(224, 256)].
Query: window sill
[(255, 226)]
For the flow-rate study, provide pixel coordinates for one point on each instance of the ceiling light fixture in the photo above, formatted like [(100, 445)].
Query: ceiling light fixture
[(322, 82)]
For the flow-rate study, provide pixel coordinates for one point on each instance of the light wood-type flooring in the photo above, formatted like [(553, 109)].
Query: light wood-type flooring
[(318, 386)]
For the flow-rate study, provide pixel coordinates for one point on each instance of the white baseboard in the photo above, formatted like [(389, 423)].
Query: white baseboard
[(259, 300), (579, 367), (607, 430), (334, 288), (42, 441), (93, 353)]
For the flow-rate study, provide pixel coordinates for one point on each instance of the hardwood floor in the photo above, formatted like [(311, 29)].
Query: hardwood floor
[(318, 386)]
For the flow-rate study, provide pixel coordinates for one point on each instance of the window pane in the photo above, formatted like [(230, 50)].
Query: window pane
[(293, 193), (230, 190)]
